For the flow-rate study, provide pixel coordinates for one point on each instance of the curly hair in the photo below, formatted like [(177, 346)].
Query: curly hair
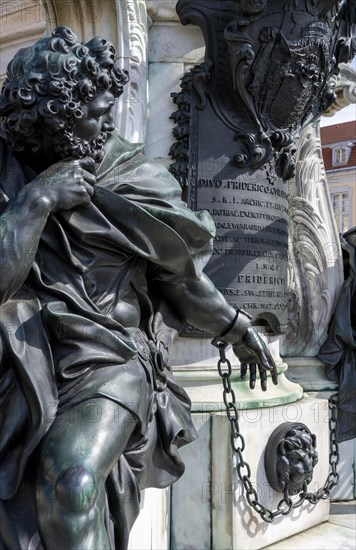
[(48, 83)]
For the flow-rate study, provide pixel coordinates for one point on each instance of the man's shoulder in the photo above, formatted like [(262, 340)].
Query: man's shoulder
[(117, 151), (4, 149), (14, 174), (8, 158), (134, 166)]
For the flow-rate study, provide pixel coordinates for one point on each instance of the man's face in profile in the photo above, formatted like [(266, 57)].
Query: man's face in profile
[(90, 132), (97, 117)]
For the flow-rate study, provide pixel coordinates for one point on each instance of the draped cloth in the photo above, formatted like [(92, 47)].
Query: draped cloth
[(65, 339), (339, 355)]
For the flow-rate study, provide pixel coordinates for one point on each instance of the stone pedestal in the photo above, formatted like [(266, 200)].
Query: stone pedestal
[(151, 529), (309, 373), (346, 490), (208, 507), (218, 516), (195, 366)]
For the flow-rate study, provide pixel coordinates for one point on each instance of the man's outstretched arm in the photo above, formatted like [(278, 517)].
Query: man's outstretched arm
[(199, 303)]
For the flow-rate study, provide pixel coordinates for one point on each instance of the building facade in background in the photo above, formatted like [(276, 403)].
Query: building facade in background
[(339, 153)]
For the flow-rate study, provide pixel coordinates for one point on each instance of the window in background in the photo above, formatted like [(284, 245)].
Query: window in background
[(341, 154), (341, 207)]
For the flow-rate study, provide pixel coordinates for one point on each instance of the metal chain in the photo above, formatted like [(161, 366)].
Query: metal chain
[(286, 505)]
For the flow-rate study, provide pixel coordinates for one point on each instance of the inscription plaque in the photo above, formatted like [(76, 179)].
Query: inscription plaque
[(250, 209), (265, 75), (251, 244)]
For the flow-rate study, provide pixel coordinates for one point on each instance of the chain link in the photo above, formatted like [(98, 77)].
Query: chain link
[(286, 505)]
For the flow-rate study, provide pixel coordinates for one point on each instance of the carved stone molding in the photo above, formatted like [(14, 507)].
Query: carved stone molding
[(132, 30), (21, 23), (162, 10), (125, 24), (194, 82), (345, 89), (315, 271), (85, 18)]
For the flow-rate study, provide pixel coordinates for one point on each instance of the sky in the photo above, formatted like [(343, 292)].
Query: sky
[(345, 115)]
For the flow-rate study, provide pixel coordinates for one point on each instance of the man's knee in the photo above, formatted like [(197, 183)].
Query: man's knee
[(77, 490)]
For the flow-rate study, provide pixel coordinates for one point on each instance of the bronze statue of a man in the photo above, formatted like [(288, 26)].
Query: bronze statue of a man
[(338, 352), (101, 261)]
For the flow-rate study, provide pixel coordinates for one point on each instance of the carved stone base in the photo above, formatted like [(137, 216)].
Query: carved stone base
[(309, 373), (208, 508), (195, 363), (346, 490), (151, 529)]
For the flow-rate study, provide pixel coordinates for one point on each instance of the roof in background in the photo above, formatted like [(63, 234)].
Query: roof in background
[(338, 132)]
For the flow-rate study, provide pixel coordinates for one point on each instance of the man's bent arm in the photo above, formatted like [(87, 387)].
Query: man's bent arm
[(198, 302)]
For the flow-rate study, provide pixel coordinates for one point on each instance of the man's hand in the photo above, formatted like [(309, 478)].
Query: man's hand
[(66, 184), (253, 353)]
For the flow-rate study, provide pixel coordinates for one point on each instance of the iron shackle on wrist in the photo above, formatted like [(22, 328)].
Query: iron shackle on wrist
[(235, 332)]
